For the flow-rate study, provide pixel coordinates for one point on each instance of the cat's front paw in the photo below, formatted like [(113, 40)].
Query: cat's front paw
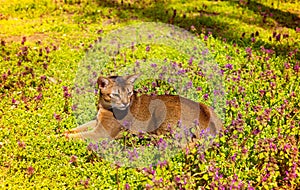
[(74, 136), (72, 131)]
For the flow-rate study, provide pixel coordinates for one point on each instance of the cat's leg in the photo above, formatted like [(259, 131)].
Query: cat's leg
[(94, 135), (91, 135), (84, 127)]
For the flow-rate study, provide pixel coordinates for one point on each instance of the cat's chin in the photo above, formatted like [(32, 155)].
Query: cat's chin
[(120, 108)]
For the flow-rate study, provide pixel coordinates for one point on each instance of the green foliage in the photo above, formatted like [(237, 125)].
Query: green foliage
[(256, 46)]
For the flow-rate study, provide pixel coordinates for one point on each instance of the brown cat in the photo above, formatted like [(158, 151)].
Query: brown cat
[(120, 108)]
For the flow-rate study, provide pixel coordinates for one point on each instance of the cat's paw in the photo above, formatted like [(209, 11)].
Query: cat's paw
[(74, 136), (66, 134)]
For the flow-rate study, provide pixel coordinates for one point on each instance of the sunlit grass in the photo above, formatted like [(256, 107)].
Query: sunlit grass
[(42, 43)]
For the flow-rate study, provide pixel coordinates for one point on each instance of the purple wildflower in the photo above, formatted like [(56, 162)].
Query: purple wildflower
[(286, 65), (255, 132), (205, 52), (23, 40), (30, 170), (278, 37), (39, 97), (45, 66), (162, 144), (43, 78), (189, 85), (233, 157), (85, 182), (127, 186), (285, 35), (174, 65), (249, 51), (137, 63), (141, 134), (181, 71), (154, 84), (154, 65), (66, 92), (296, 68), (148, 48), (191, 61), (93, 147), (249, 186), (4, 76), (148, 186), (47, 49), (67, 95), (104, 144), (21, 144), (163, 163), (133, 154), (205, 96), (201, 63), (73, 159), (178, 136), (229, 66), (244, 150), (177, 179), (57, 117)]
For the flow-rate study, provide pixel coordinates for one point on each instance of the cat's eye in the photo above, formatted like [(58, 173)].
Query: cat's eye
[(116, 95), (130, 93)]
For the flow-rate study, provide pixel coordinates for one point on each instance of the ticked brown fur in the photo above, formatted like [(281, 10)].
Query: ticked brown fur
[(120, 108)]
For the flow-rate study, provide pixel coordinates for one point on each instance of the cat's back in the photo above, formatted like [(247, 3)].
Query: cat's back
[(171, 109), (170, 102)]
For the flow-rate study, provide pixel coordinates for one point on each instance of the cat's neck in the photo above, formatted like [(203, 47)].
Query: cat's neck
[(119, 114)]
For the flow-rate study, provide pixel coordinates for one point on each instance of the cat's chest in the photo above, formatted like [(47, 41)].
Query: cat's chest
[(146, 118)]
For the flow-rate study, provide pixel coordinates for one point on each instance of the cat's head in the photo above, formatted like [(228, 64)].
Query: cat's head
[(116, 91)]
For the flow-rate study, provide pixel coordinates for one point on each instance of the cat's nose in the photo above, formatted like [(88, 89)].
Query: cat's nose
[(125, 104)]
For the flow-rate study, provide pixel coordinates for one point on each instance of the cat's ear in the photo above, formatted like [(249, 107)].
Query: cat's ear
[(103, 82), (132, 78)]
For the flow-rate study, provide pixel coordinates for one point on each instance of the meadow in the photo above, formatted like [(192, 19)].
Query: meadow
[(47, 48)]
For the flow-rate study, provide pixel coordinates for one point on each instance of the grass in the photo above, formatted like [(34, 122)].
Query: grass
[(255, 45)]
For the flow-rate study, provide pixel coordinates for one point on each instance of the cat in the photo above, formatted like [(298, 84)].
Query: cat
[(121, 108)]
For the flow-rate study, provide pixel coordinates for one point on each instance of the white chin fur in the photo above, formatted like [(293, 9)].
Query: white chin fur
[(120, 108)]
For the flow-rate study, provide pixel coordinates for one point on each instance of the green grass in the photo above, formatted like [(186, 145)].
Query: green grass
[(32, 80)]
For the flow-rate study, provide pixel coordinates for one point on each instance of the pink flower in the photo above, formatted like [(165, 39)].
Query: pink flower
[(21, 144), (205, 96), (73, 159), (39, 97), (148, 48), (30, 170), (127, 186), (57, 117)]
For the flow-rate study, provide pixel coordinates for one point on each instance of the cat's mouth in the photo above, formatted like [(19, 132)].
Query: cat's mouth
[(121, 107)]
